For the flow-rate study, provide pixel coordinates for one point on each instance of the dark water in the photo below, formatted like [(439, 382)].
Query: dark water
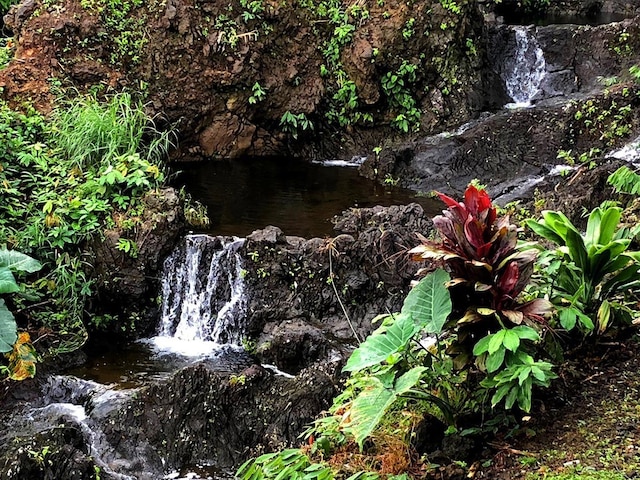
[(136, 364), (243, 195), (600, 18)]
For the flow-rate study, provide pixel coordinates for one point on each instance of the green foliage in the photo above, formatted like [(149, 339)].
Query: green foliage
[(63, 179), (625, 180), (286, 464), (395, 87), (5, 5), (258, 94), (292, 123), (590, 270), (7, 49), (11, 262), (124, 35), (92, 132)]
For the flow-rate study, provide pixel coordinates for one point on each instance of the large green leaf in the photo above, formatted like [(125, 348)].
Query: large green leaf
[(8, 329), (544, 231), (370, 405), (608, 224), (429, 302), (18, 262), (592, 235), (577, 250), (7, 281), (382, 343)]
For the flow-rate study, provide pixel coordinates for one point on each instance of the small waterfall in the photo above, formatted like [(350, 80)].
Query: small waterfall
[(203, 301), (524, 68)]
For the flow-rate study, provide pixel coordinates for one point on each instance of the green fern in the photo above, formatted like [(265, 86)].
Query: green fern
[(625, 180)]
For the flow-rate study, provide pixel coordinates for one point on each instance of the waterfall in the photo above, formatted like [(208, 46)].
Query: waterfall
[(203, 301), (524, 68)]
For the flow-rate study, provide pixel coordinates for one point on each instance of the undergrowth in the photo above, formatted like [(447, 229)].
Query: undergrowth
[(63, 180)]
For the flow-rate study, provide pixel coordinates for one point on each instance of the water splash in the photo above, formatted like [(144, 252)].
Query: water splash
[(203, 296), (524, 70), (629, 153)]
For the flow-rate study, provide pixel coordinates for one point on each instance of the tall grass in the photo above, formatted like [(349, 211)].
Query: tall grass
[(92, 132)]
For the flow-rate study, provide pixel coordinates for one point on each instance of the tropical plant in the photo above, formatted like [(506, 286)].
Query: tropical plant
[(590, 271), (11, 262), (58, 195), (625, 180), (20, 352), (489, 269), (491, 323)]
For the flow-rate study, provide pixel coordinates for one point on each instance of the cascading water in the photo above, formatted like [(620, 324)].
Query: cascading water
[(524, 68), (203, 296)]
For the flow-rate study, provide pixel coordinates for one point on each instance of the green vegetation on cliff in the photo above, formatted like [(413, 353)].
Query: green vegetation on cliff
[(65, 179)]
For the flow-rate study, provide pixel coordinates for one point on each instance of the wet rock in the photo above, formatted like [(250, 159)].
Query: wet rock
[(128, 282), (308, 297)]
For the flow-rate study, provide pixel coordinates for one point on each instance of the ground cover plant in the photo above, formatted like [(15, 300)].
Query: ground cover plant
[(63, 178)]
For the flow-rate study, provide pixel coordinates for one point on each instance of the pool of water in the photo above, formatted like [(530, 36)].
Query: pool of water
[(139, 363), (300, 197)]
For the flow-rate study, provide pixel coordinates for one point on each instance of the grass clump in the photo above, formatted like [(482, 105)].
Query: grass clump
[(64, 180)]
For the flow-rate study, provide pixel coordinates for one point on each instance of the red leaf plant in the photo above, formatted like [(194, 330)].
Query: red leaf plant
[(489, 271)]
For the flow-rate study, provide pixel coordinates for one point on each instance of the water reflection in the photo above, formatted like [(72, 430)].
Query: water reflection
[(243, 195)]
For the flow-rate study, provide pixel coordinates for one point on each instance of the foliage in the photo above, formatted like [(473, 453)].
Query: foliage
[(489, 270), (292, 123), (64, 179), (287, 464), (11, 261), (625, 180), (590, 270), (7, 49), (124, 34), (92, 132), (395, 87)]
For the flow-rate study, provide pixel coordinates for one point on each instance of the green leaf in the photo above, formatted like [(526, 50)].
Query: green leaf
[(494, 361), (370, 405), (592, 235), (8, 329), (382, 343), (511, 340), (482, 345), (429, 302), (18, 262), (568, 318), (577, 250), (496, 341), (526, 333), (8, 283), (608, 224), (545, 232)]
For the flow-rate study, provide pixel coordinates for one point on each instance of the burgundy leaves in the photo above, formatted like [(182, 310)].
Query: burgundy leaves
[(479, 248)]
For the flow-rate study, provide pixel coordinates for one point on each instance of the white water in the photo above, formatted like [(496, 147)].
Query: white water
[(523, 73), (203, 299), (629, 153), (353, 163)]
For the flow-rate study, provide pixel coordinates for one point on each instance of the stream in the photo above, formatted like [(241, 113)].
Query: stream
[(204, 296)]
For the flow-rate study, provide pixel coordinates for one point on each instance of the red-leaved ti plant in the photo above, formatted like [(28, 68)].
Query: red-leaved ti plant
[(488, 270)]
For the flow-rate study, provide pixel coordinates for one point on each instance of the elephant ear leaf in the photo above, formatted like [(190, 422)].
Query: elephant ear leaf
[(371, 404), (22, 359), (382, 343), (18, 262), (8, 329), (8, 282), (429, 302)]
